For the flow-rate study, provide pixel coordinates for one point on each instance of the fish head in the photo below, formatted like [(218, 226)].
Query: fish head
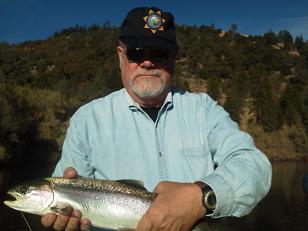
[(32, 197)]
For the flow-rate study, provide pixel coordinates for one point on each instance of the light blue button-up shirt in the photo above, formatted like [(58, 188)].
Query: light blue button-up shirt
[(192, 139)]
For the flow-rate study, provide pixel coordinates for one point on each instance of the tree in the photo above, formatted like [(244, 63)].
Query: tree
[(299, 43), (236, 94), (293, 101), (286, 38), (270, 38), (265, 100), (214, 87), (233, 28), (39, 116)]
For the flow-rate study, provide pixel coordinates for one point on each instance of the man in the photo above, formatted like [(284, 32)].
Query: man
[(182, 145)]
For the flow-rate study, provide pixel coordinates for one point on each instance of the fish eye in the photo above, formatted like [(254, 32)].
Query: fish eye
[(23, 189)]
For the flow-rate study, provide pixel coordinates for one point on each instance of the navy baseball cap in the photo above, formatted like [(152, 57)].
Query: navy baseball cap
[(149, 28)]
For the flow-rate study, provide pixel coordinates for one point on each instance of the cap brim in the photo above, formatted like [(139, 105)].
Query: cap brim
[(146, 42)]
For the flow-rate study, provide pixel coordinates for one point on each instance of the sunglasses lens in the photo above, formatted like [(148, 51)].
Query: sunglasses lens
[(135, 55), (159, 56), (138, 55)]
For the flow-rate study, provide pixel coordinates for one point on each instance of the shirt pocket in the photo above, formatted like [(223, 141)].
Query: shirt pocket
[(196, 162)]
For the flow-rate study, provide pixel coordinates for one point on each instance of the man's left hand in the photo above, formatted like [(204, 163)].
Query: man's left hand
[(178, 206)]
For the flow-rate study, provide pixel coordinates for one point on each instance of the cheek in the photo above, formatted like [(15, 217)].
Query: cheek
[(166, 76), (167, 70), (40, 198), (128, 71), (34, 199)]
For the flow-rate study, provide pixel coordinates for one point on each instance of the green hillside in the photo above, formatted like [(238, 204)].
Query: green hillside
[(261, 80)]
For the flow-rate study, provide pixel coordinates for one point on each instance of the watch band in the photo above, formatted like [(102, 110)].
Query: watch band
[(208, 197)]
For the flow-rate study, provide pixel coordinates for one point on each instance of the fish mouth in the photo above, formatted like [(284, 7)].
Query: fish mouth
[(13, 199)]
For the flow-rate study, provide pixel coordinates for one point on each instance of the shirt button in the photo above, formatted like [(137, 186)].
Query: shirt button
[(160, 154)]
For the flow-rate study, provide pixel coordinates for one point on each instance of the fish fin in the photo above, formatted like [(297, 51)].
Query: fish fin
[(64, 209), (134, 183)]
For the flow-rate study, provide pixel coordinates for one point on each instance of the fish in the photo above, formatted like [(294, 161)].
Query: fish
[(106, 203)]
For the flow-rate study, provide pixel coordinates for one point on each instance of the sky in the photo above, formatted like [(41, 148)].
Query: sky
[(22, 20)]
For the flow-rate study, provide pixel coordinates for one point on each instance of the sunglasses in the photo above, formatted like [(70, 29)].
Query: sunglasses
[(156, 55)]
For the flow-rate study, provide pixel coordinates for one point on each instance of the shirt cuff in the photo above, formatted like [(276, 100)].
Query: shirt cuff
[(223, 193)]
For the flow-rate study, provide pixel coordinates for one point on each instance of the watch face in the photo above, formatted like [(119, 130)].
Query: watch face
[(210, 199)]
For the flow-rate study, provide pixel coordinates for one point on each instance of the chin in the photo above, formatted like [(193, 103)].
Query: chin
[(149, 95), (148, 92)]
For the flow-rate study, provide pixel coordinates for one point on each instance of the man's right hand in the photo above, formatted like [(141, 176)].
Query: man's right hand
[(63, 222)]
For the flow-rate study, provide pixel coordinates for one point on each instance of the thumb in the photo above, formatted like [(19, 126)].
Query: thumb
[(70, 173)]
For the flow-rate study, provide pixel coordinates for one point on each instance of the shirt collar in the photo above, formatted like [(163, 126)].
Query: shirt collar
[(132, 105)]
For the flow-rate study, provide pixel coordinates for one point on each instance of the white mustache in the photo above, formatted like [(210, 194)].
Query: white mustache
[(151, 73)]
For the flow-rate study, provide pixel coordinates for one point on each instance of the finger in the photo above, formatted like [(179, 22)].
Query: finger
[(85, 224), (70, 172), (61, 222), (48, 219), (144, 224), (74, 221)]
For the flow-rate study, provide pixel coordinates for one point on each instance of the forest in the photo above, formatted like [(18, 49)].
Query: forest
[(262, 81)]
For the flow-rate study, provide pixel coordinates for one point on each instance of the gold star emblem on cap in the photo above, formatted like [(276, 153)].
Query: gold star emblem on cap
[(154, 21)]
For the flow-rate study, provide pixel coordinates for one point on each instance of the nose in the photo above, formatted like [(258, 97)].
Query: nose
[(147, 64)]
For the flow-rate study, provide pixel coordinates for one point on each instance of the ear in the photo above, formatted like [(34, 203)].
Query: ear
[(121, 54)]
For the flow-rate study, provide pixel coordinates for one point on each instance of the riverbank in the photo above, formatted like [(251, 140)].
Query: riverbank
[(285, 144)]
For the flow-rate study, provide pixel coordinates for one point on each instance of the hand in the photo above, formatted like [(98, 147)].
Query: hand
[(178, 206), (63, 222)]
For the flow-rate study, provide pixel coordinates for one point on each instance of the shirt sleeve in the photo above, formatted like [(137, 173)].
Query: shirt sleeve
[(74, 153), (243, 173)]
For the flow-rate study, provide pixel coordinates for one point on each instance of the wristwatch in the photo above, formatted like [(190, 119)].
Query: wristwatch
[(208, 197)]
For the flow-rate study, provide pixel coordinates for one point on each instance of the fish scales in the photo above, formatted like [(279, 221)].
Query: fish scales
[(101, 185)]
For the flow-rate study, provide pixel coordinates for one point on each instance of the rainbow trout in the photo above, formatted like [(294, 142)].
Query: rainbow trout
[(108, 204)]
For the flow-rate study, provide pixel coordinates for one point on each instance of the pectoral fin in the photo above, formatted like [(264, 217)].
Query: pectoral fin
[(64, 209)]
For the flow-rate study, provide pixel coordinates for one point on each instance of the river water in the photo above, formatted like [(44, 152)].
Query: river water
[(284, 209)]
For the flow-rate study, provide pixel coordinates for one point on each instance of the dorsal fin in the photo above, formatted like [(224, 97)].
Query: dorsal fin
[(134, 183)]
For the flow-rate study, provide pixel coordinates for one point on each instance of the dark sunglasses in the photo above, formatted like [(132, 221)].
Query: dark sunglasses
[(158, 56)]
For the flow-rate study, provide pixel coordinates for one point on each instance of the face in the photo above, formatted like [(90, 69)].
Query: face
[(146, 74)]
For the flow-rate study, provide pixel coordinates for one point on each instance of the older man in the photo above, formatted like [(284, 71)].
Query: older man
[(182, 145)]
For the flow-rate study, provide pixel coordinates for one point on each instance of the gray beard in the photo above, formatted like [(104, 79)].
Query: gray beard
[(148, 88)]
